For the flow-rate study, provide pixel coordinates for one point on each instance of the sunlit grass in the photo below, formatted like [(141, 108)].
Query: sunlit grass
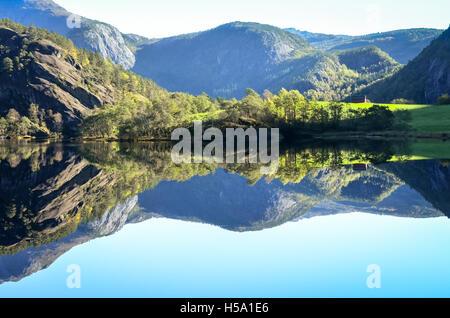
[(424, 118)]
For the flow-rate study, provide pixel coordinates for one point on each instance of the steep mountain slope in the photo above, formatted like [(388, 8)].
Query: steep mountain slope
[(402, 45), (47, 70), (85, 33), (230, 58), (423, 80), (369, 59), (223, 61)]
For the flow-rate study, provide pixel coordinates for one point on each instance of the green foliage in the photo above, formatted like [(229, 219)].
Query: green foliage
[(7, 65), (444, 100), (403, 101), (131, 118), (16, 126), (422, 80)]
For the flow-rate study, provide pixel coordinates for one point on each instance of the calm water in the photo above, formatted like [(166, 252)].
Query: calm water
[(127, 222)]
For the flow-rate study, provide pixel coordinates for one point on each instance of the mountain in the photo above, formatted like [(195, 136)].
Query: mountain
[(402, 45), (227, 60), (369, 59), (230, 58), (48, 71), (226, 199), (85, 33), (423, 80)]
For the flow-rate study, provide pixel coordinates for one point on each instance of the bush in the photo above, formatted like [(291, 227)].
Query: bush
[(443, 100), (403, 101)]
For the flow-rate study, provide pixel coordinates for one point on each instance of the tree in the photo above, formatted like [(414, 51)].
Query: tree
[(267, 95), (336, 110), (33, 113), (7, 65), (13, 116), (444, 100), (3, 127)]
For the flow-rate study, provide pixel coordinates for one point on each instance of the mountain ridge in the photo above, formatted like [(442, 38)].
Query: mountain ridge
[(423, 80), (403, 45), (226, 60)]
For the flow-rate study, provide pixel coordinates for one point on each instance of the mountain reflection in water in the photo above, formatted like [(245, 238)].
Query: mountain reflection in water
[(56, 196)]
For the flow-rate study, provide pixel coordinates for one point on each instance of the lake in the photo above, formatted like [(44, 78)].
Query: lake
[(354, 218)]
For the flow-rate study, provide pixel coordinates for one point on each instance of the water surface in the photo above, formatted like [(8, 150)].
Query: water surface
[(137, 225)]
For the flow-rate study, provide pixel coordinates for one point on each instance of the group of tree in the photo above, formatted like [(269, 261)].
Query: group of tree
[(132, 118), (37, 123)]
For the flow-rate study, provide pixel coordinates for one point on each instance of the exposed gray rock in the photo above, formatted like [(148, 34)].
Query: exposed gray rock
[(105, 39), (92, 35)]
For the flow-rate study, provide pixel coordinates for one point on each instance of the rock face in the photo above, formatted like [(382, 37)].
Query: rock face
[(113, 220), (423, 80), (52, 80), (89, 34), (105, 39)]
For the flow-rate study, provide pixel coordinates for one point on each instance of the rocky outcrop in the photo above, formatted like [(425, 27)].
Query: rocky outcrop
[(105, 39), (113, 220), (89, 34), (52, 80)]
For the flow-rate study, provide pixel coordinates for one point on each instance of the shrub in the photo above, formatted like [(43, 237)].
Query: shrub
[(443, 100), (403, 101)]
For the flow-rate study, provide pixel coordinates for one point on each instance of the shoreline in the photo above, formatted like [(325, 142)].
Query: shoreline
[(443, 136)]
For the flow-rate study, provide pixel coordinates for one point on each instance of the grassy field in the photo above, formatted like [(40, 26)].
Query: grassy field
[(423, 118)]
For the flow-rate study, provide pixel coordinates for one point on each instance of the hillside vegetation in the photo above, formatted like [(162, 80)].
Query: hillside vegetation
[(93, 35), (50, 87), (224, 61), (402, 45), (423, 80)]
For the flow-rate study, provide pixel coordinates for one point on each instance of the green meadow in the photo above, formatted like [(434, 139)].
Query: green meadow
[(421, 118)]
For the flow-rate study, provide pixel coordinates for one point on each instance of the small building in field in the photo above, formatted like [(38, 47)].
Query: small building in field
[(359, 99)]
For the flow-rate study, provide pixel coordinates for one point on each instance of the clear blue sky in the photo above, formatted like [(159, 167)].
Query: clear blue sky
[(171, 17)]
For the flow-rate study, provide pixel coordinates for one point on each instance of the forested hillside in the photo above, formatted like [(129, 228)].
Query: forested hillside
[(230, 58), (423, 80), (85, 33), (402, 45)]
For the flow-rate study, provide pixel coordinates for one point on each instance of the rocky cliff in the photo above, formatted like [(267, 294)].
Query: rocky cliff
[(86, 33), (423, 80)]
